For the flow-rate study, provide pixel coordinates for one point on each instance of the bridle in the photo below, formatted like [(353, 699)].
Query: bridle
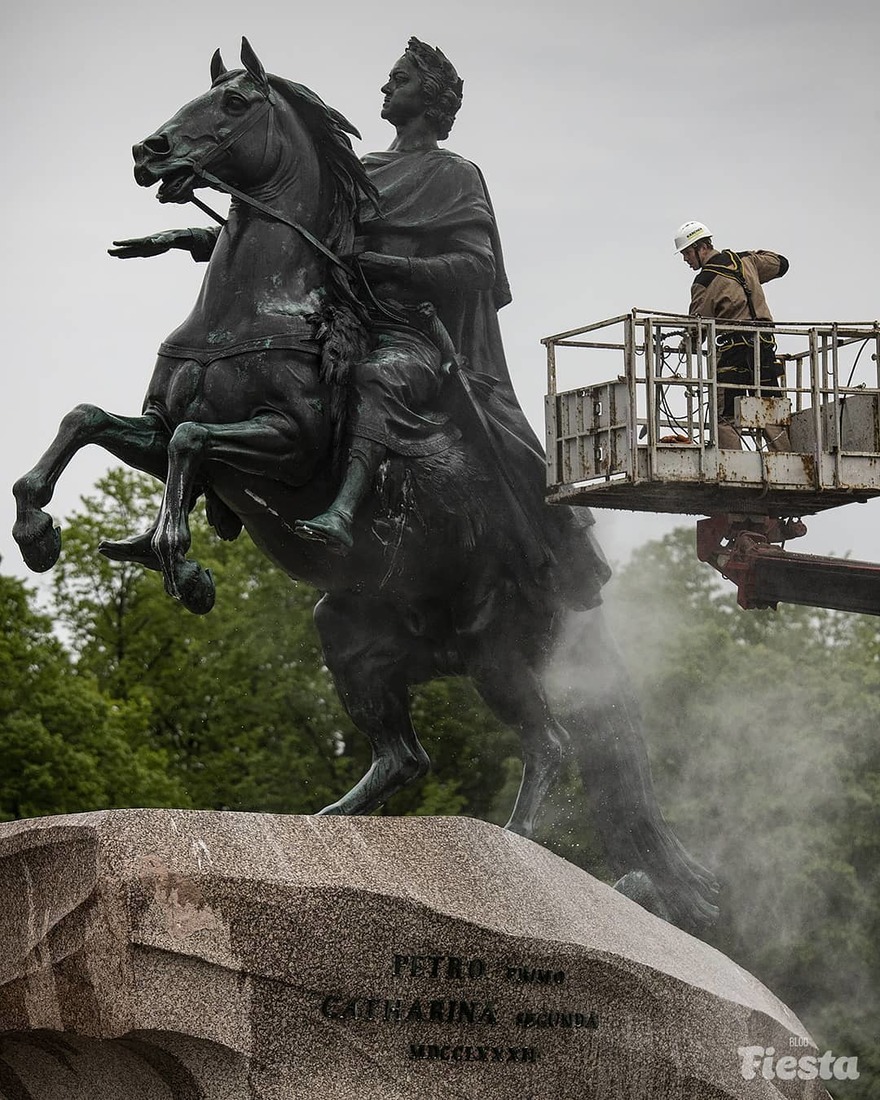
[(199, 166)]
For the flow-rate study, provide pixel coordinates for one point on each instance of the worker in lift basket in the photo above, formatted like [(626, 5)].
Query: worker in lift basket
[(728, 288)]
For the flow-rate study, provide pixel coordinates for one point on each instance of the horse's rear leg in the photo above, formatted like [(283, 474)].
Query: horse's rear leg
[(368, 654), (139, 441), (513, 692)]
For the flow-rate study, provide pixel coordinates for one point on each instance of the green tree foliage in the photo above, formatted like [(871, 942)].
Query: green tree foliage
[(763, 732), (239, 698), (65, 744)]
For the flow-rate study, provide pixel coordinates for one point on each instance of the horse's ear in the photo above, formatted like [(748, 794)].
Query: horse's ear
[(253, 65), (217, 67)]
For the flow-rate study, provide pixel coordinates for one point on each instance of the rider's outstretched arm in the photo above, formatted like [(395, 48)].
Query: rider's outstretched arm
[(199, 242)]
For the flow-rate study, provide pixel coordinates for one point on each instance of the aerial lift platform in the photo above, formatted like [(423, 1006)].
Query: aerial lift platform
[(646, 440)]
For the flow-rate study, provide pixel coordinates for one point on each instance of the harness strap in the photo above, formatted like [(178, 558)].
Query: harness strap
[(303, 340), (735, 272), (237, 132)]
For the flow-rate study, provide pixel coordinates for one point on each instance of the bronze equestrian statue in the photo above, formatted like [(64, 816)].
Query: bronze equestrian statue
[(340, 390)]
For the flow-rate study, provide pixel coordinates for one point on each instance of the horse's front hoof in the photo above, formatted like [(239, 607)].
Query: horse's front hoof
[(195, 588), (39, 541)]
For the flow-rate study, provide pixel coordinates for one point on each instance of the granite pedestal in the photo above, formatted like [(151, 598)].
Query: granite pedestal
[(183, 955)]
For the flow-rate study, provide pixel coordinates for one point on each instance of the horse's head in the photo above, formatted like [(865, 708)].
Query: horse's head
[(229, 128), (245, 130)]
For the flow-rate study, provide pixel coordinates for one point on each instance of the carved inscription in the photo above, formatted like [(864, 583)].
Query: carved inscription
[(439, 966), (532, 976), (432, 1053), (396, 1011), (546, 1018), (473, 1011)]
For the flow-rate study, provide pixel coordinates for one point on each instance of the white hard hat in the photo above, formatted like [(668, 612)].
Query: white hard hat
[(689, 234)]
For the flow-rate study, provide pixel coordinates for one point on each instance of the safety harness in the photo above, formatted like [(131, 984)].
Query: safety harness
[(729, 265)]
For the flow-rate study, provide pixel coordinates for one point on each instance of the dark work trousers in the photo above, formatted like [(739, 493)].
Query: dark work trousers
[(736, 366)]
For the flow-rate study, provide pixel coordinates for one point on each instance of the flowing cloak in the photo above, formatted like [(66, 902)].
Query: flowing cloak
[(435, 210)]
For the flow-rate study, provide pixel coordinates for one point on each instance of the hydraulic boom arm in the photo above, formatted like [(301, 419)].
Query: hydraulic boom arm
[(742, 549)]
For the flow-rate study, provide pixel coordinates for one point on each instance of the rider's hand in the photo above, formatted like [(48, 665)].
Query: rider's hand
[(376, 263), (154, 245)]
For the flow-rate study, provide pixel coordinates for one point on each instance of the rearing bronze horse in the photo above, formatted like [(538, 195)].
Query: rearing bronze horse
[(246, 405)]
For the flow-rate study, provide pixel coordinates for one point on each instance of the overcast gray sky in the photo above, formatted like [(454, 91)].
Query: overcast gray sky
[(599, 127)]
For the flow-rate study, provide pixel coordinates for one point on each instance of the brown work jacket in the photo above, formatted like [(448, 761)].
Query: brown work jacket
[(720, 296)]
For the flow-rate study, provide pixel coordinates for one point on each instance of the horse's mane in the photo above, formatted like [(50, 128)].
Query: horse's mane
[(343, 329), (329, 130)]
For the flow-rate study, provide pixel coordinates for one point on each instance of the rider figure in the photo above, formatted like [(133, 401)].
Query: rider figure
[(412, 251)]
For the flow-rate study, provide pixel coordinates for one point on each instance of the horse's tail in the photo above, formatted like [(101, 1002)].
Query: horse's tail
[(344, 340), (604, 721)]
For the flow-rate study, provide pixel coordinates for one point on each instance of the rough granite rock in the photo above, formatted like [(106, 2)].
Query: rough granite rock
[(185, 955)]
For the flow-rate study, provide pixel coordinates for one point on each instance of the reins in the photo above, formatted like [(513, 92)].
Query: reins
[(267, 210)]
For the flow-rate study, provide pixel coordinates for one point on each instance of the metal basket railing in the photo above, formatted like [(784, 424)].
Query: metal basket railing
[(663, 396)]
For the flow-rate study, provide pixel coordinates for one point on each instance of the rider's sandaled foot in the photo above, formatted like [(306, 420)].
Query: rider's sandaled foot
[(330, 528)]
